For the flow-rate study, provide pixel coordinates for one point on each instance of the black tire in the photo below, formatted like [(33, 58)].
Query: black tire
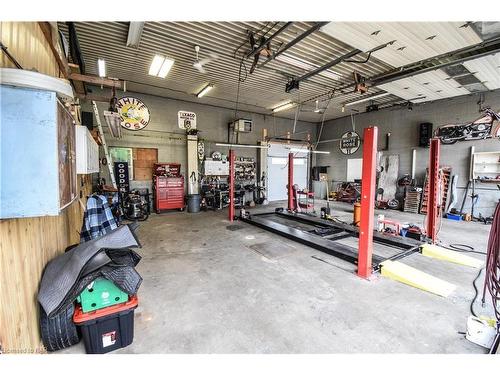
[(58, 332), (445, 141)]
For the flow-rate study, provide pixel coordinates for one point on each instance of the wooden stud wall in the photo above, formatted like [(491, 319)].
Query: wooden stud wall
[(26, 245), (27, 44)]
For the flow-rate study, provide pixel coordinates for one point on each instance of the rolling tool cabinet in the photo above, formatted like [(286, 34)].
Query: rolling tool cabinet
[(168, 187)]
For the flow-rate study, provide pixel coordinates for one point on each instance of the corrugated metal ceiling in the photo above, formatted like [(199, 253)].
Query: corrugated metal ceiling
[(259, 92), (487, 70), (414, 41), (425, 87)]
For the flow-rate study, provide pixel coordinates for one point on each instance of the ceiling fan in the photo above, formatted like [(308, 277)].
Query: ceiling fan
[(198, 64)]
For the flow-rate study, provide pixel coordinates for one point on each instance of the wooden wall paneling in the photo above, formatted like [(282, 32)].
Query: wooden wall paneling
[(26, 245), (144, 158), (26, 43)]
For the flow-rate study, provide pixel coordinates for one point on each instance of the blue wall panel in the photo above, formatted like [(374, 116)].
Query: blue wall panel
[(29, 178)]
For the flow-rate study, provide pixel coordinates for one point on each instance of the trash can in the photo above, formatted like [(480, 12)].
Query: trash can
[(107, 329), (193, 203)]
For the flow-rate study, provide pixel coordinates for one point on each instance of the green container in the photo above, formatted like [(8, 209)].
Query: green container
[(99, 294)]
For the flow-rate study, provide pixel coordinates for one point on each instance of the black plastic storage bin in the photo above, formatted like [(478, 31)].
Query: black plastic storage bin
[(111, 329)]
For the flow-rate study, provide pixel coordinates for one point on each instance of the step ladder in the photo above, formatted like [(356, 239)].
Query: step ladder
[(104, 145)]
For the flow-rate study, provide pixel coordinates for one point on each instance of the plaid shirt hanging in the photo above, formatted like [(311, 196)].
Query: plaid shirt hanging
[(98, 219)]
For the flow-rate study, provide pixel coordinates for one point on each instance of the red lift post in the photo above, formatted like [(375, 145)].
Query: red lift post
[(291, 206), (365, 245), (433, 205), (232, 160)]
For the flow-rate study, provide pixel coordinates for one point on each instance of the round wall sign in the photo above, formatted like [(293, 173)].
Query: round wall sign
[(134, 113), (349, 143)]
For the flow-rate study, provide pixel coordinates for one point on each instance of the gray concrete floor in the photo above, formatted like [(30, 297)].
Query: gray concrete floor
[(208, 289)]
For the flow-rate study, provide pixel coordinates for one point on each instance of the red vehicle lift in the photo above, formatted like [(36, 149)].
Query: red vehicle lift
[(232, 159), (291, 206), (325, 234), (365, 245), (433, 203)]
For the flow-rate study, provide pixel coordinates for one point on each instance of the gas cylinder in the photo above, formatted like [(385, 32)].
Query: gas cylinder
[(357, 213)]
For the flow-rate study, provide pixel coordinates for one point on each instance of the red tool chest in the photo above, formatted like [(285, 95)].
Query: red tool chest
[(168, 187)]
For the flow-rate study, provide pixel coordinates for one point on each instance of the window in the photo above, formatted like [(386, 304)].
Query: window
[(124, 154)]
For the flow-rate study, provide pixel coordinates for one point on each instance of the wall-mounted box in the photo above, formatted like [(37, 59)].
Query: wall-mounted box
[(216, 168), (37, 153), (87, 151), (242, 125)]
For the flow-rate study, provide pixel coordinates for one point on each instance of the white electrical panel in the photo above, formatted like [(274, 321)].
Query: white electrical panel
[(216, 168), (87, 151)]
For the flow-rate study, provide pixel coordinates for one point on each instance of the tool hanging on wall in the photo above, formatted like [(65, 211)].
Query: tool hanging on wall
[(104, 144)]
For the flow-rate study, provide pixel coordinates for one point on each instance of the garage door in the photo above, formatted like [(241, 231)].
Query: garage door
[(277, 171)]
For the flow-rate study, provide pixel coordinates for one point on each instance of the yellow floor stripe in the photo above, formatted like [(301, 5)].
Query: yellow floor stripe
[(433, 251), (418, 279)]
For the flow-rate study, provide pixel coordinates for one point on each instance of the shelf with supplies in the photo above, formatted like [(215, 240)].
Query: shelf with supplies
[(485, 166), (245, 169)]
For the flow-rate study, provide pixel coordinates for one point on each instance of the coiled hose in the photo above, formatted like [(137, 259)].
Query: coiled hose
[(492, 277)]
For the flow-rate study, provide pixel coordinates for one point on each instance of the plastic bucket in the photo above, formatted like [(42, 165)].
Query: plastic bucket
[(193, 203)]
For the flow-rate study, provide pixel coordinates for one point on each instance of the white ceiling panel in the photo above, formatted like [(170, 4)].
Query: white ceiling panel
[(425, 87), (487, 70), (414, 41)]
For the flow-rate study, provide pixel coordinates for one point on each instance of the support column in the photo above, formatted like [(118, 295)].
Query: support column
[(433, 200), (290, 182), (365, 246), (232, 159)]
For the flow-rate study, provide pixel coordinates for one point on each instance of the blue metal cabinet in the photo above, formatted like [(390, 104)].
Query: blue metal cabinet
[(37, 153)]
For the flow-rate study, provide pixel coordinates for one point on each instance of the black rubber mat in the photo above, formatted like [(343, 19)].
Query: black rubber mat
[(63, 272)]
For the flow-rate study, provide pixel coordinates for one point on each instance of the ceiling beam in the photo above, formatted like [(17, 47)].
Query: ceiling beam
[(93, 97), (60, 58), (95, 80), (263, 45), (135, 29), (340, 59), (293, 42)]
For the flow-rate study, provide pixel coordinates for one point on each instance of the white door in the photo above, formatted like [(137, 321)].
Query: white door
[(277, 171)]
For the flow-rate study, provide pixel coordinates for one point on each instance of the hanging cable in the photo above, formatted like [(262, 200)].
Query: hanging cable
[(323, 120)]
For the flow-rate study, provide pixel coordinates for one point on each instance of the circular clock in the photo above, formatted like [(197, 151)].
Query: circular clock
[(134, 113)]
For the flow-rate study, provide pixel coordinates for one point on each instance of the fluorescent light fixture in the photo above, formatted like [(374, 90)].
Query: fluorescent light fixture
[(299, 63), (368, 98), (238, 145), (317, 109), (165, 68), (134, 33), (101, 67), (283, 107), (160, 66), (307, 151), (204, 90)]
